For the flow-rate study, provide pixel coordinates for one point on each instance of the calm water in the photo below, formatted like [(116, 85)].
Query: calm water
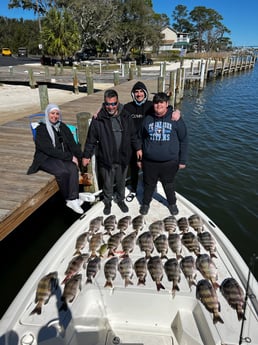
[(221, 179)]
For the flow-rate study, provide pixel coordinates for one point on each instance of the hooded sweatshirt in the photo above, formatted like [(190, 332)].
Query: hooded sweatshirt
[(163, 139)]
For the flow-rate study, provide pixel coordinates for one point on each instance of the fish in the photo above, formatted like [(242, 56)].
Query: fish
[(156, 228), (93, 268), (110, 224), (95, 242), (161, 244), (208, 297), (155, 267), (125, 268), (102, 250), (95, 224), (172, 271), (81, 242), (113, 242), (183, 224), (75, 265), (124, 223), (110, 269), (138, 223), (207, 242), (175, 244), (187, 265), (45, 289), (128, 243), (70, 291), (140, 267), (170, 224), (191, 242), (145, 242), (234, 295), (207, 268), (195, 221)]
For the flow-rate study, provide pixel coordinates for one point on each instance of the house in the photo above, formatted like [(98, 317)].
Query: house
[(173, 40)]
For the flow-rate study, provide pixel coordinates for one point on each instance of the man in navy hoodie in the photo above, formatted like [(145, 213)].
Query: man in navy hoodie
[(164, 150)]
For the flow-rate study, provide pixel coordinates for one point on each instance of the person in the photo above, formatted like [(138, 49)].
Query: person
[(111, 131), (164, 146), (57, 153), (139, 107)]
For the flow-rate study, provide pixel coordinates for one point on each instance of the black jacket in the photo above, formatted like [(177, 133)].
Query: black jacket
[(101, 136), (45, 148)]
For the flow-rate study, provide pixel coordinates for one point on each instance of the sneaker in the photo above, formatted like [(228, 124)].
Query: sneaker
[(144, 209), (130, 197), (79, 202), (87, 197), (173, 209), (74, 205), (107, 209), (123, 207)]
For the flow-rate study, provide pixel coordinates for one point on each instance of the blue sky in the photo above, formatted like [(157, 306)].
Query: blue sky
[(242, 19)]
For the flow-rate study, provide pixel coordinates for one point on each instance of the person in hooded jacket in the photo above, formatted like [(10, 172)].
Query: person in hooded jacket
[(164, 148), (139, 107), (111, 131), (57, 153)]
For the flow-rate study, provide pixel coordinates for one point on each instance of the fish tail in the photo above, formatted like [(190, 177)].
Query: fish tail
[(37, 309), (108, 284), (89, 280), (216, 285), (240, 315), (128, 282), (141, 281), (63, 306), (159, 286), (179, 256), (77, 252), (213, 255), (217, 318)]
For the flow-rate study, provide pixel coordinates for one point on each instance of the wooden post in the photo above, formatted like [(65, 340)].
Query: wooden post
[(178, 85), (31, 79), (131, 72), (160, 84), (116, 78), (75, 81), (43, 96), (47, 74), (89, 80), (172, 87), (11, 70), (192, 68), (83, 122), (215, 68), (56, 69), (139, 71), (202, 78), (181, 91)]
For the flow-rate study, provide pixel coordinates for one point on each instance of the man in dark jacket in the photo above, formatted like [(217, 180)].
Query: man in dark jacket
[(111, 131), (164, 151)]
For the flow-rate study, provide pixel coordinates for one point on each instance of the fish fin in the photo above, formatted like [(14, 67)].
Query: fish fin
[(37, 309), (66, 279), (213, 255), (77, 252)]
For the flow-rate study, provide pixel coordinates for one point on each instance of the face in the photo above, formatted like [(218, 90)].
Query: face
[(139, 95), (160, 108), (54, 116), (111, 105)]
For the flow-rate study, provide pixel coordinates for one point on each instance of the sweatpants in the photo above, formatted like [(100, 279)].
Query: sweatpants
[(165, 172)]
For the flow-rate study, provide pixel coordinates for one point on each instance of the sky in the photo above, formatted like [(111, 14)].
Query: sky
[(241, 20)]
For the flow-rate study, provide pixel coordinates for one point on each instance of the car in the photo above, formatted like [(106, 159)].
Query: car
[(22, 51), (6, 52)]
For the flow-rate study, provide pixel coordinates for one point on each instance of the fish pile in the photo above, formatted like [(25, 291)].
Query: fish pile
[(163, 252)]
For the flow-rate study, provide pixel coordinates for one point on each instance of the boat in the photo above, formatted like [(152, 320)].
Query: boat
[(130, 304)]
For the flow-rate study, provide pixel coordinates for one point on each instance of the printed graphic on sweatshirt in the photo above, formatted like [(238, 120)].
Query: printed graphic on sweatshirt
[(160, 131)]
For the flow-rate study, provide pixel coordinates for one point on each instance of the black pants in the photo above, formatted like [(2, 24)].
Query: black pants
[(134, 172), (163, 171), (116, 175), (66, 174)]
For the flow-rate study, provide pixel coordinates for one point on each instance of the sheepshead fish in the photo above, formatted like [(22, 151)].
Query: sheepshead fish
[(187, 265), (95, 242), (71, 288), (196, 222), (207, 295), (175, 244), (138, 223), (113, 242), (110, 224), (140, 267), (128, 243), (125, 267), (75, 265), (81, 242), (103, 249), (191, 242), (146, 244), (161, 244), (207, 268), (93, 268), (45, 289), (156, 270), (156, 228), (207, 242), (95, 224), (170, 224), (124, 223), (183, 224), (110, 269), (234, 295), (172, 270)]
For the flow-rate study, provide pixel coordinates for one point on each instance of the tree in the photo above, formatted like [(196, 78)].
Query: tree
[(181, 19)]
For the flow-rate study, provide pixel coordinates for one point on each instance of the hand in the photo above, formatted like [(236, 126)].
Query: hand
[(75, 160), (181, 166), (176, 114), (139, 155), (85, 161)]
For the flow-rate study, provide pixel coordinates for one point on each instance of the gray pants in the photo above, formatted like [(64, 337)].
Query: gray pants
[(114, 180)]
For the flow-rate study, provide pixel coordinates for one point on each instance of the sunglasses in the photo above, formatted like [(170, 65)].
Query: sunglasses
[(113, 104)]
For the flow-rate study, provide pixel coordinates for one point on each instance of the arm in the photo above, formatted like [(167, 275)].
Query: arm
[(91, 143), (183, 143)]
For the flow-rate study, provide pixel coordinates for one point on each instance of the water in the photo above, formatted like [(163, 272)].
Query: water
[(221, 179)]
